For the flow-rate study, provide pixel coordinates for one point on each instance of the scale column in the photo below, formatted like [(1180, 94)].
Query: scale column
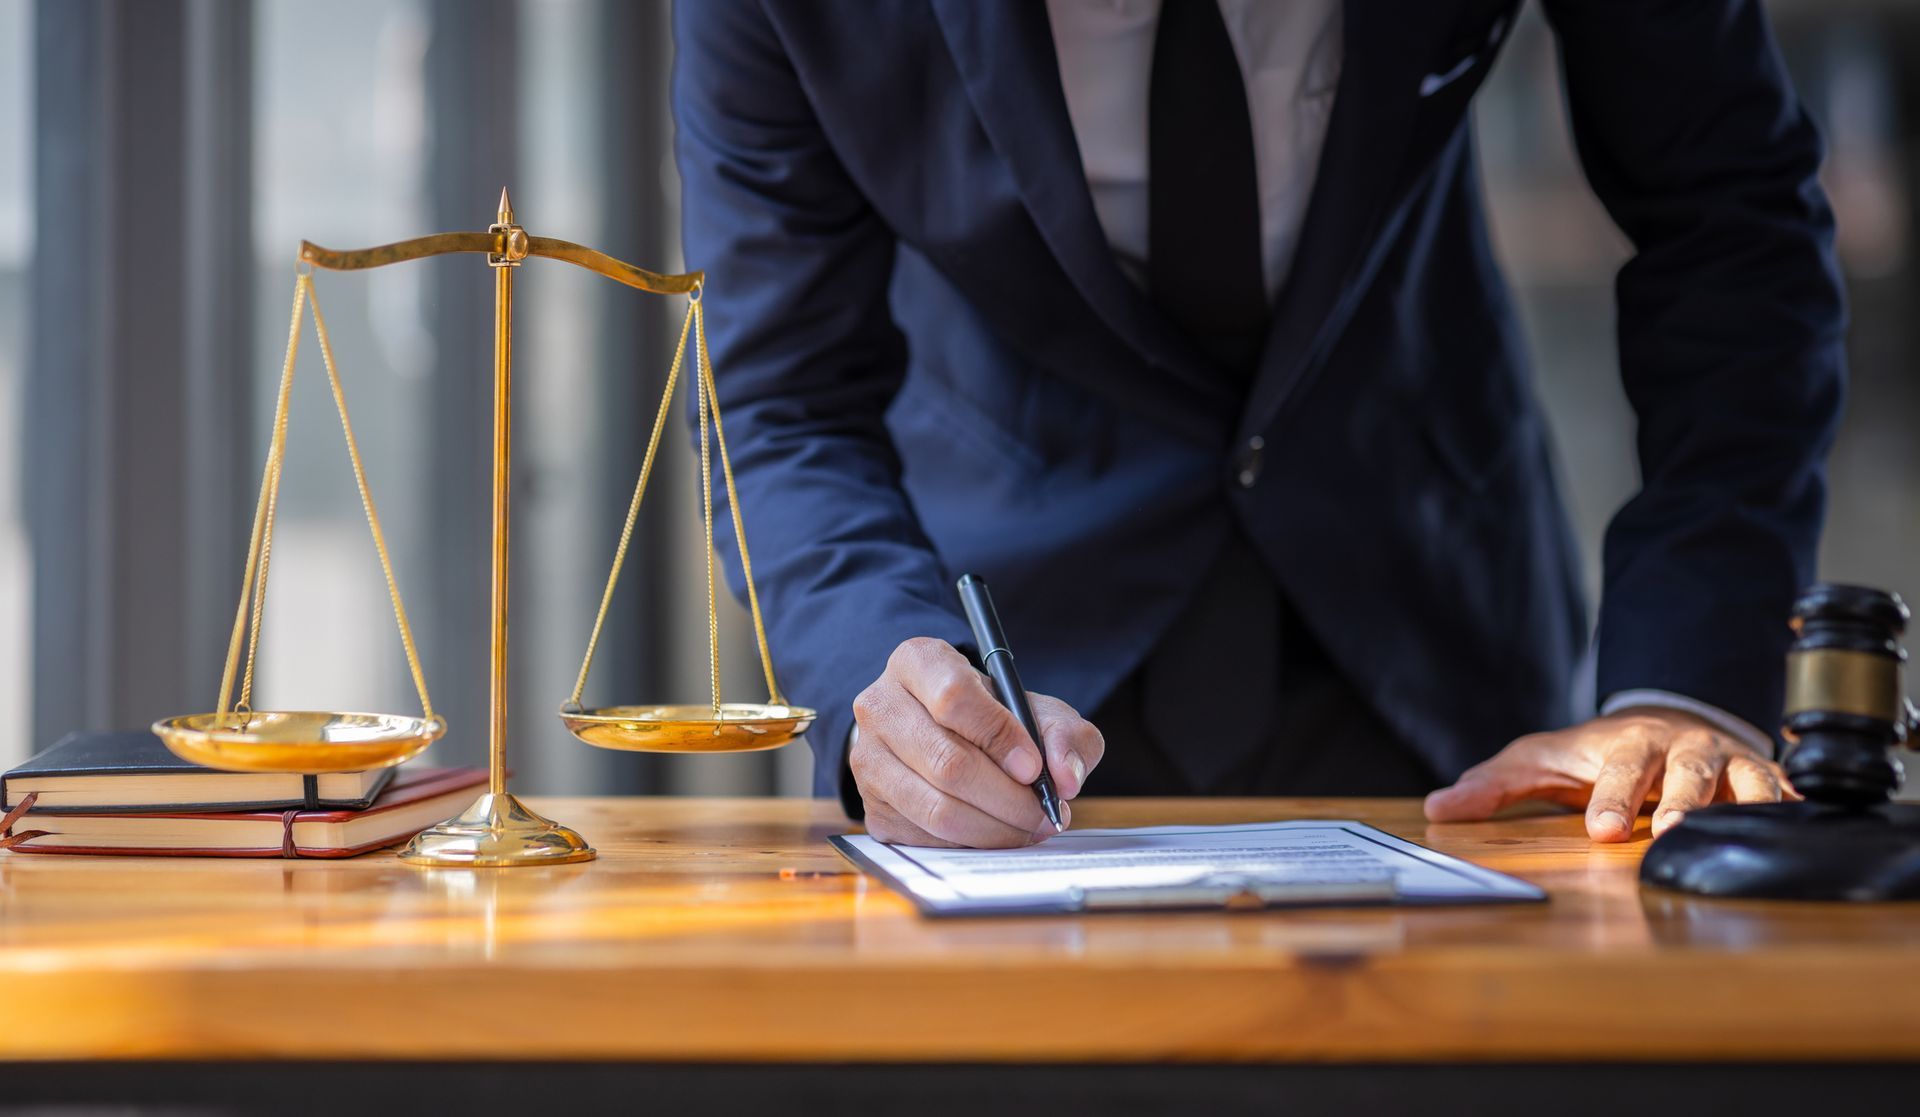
[(498, 831), (503, 267)]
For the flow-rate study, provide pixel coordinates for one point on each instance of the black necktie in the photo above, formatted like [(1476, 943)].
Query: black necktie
[(1203, 197), (1208, 690)]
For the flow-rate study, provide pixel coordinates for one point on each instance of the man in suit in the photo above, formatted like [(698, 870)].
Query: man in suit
[(1178, 323)]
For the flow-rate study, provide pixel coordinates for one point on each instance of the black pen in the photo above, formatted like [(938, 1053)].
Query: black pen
[(998, 660)]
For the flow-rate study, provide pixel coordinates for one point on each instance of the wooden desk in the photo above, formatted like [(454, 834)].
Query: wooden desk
[(682, 944)]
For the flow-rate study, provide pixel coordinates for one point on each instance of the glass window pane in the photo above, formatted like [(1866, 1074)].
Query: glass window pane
[(340, 158), (575, 476), (562, 535)]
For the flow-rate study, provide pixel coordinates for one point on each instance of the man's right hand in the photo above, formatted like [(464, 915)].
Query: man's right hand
[(940, 762)]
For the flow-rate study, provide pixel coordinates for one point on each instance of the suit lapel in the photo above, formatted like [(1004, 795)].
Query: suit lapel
[(1387, 44), (1004, 53)]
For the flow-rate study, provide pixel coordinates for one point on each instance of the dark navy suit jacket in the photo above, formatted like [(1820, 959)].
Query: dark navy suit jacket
[(929, 363)]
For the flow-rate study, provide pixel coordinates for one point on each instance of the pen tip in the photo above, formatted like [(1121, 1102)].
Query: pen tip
[(1059, 827)]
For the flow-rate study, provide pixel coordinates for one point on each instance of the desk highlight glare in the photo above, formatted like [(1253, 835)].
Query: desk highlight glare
[(497, 830)]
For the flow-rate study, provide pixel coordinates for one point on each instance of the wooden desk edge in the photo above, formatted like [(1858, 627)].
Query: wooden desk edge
[(1480, 1001)]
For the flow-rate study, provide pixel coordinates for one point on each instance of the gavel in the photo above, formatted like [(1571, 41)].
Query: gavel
[(1846, 707), (1846, 714)]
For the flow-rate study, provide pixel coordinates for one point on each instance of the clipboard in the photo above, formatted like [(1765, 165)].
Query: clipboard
[(1404, 874)]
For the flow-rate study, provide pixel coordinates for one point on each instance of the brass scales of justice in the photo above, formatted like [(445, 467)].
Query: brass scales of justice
[(497, 830)]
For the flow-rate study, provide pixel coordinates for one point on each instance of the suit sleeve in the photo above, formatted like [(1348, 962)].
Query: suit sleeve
[(1731, 321), (806, 359)]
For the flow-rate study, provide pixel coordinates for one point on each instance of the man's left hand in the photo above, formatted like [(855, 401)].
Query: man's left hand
[(1613, 766)]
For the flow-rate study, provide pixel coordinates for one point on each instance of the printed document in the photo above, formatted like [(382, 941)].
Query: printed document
[(1268, 864)]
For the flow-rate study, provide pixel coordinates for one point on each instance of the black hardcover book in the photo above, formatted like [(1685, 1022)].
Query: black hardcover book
[(131, 772)]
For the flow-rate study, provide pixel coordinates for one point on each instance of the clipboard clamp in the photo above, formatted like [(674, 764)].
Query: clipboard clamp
[(1240, 892)]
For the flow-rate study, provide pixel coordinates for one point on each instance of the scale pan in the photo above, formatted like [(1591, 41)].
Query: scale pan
[(306, 741), (741, 727)]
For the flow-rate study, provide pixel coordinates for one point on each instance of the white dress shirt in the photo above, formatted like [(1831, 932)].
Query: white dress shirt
[(1290, 54)]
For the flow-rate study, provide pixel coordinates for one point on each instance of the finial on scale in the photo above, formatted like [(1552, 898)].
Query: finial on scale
[(506, 208)]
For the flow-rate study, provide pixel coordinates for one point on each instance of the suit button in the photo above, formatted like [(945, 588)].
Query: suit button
[(1247, 466)]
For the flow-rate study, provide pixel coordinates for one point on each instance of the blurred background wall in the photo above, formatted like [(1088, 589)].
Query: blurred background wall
[(160, 162)]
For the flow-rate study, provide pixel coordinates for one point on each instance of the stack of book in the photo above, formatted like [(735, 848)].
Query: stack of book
[(124, 793)]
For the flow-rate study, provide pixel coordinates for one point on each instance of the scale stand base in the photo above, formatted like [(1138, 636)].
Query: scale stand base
[(497, 832), (1791, 851)]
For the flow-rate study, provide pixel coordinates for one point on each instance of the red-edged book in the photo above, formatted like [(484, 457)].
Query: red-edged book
[(415, 800)]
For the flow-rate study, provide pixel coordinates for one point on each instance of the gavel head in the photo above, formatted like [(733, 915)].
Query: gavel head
[(1846, 705)]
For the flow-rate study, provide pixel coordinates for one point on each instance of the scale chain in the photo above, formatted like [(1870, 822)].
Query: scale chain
[(260, 549), (262, 518), (706, 495), (276, 469), (633, 508), (366, 504), (733, 505), (712, 436)]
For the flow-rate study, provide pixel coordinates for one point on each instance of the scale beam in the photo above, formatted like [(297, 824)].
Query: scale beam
[(496, 244)]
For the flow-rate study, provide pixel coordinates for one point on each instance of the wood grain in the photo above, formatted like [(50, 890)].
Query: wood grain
[(683, 943)]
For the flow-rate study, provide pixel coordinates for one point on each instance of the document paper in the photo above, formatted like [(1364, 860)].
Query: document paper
[(1248, 864)]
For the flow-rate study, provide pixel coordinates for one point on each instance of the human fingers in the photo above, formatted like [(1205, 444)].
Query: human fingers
[(956, 696), (885, 778), (1750, 779), (1514, 774), (955, 767), (1626, 775), (1073, 744), (886, 824), (1476, 795), (893, 720), (882, 821), (1694, 764)]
